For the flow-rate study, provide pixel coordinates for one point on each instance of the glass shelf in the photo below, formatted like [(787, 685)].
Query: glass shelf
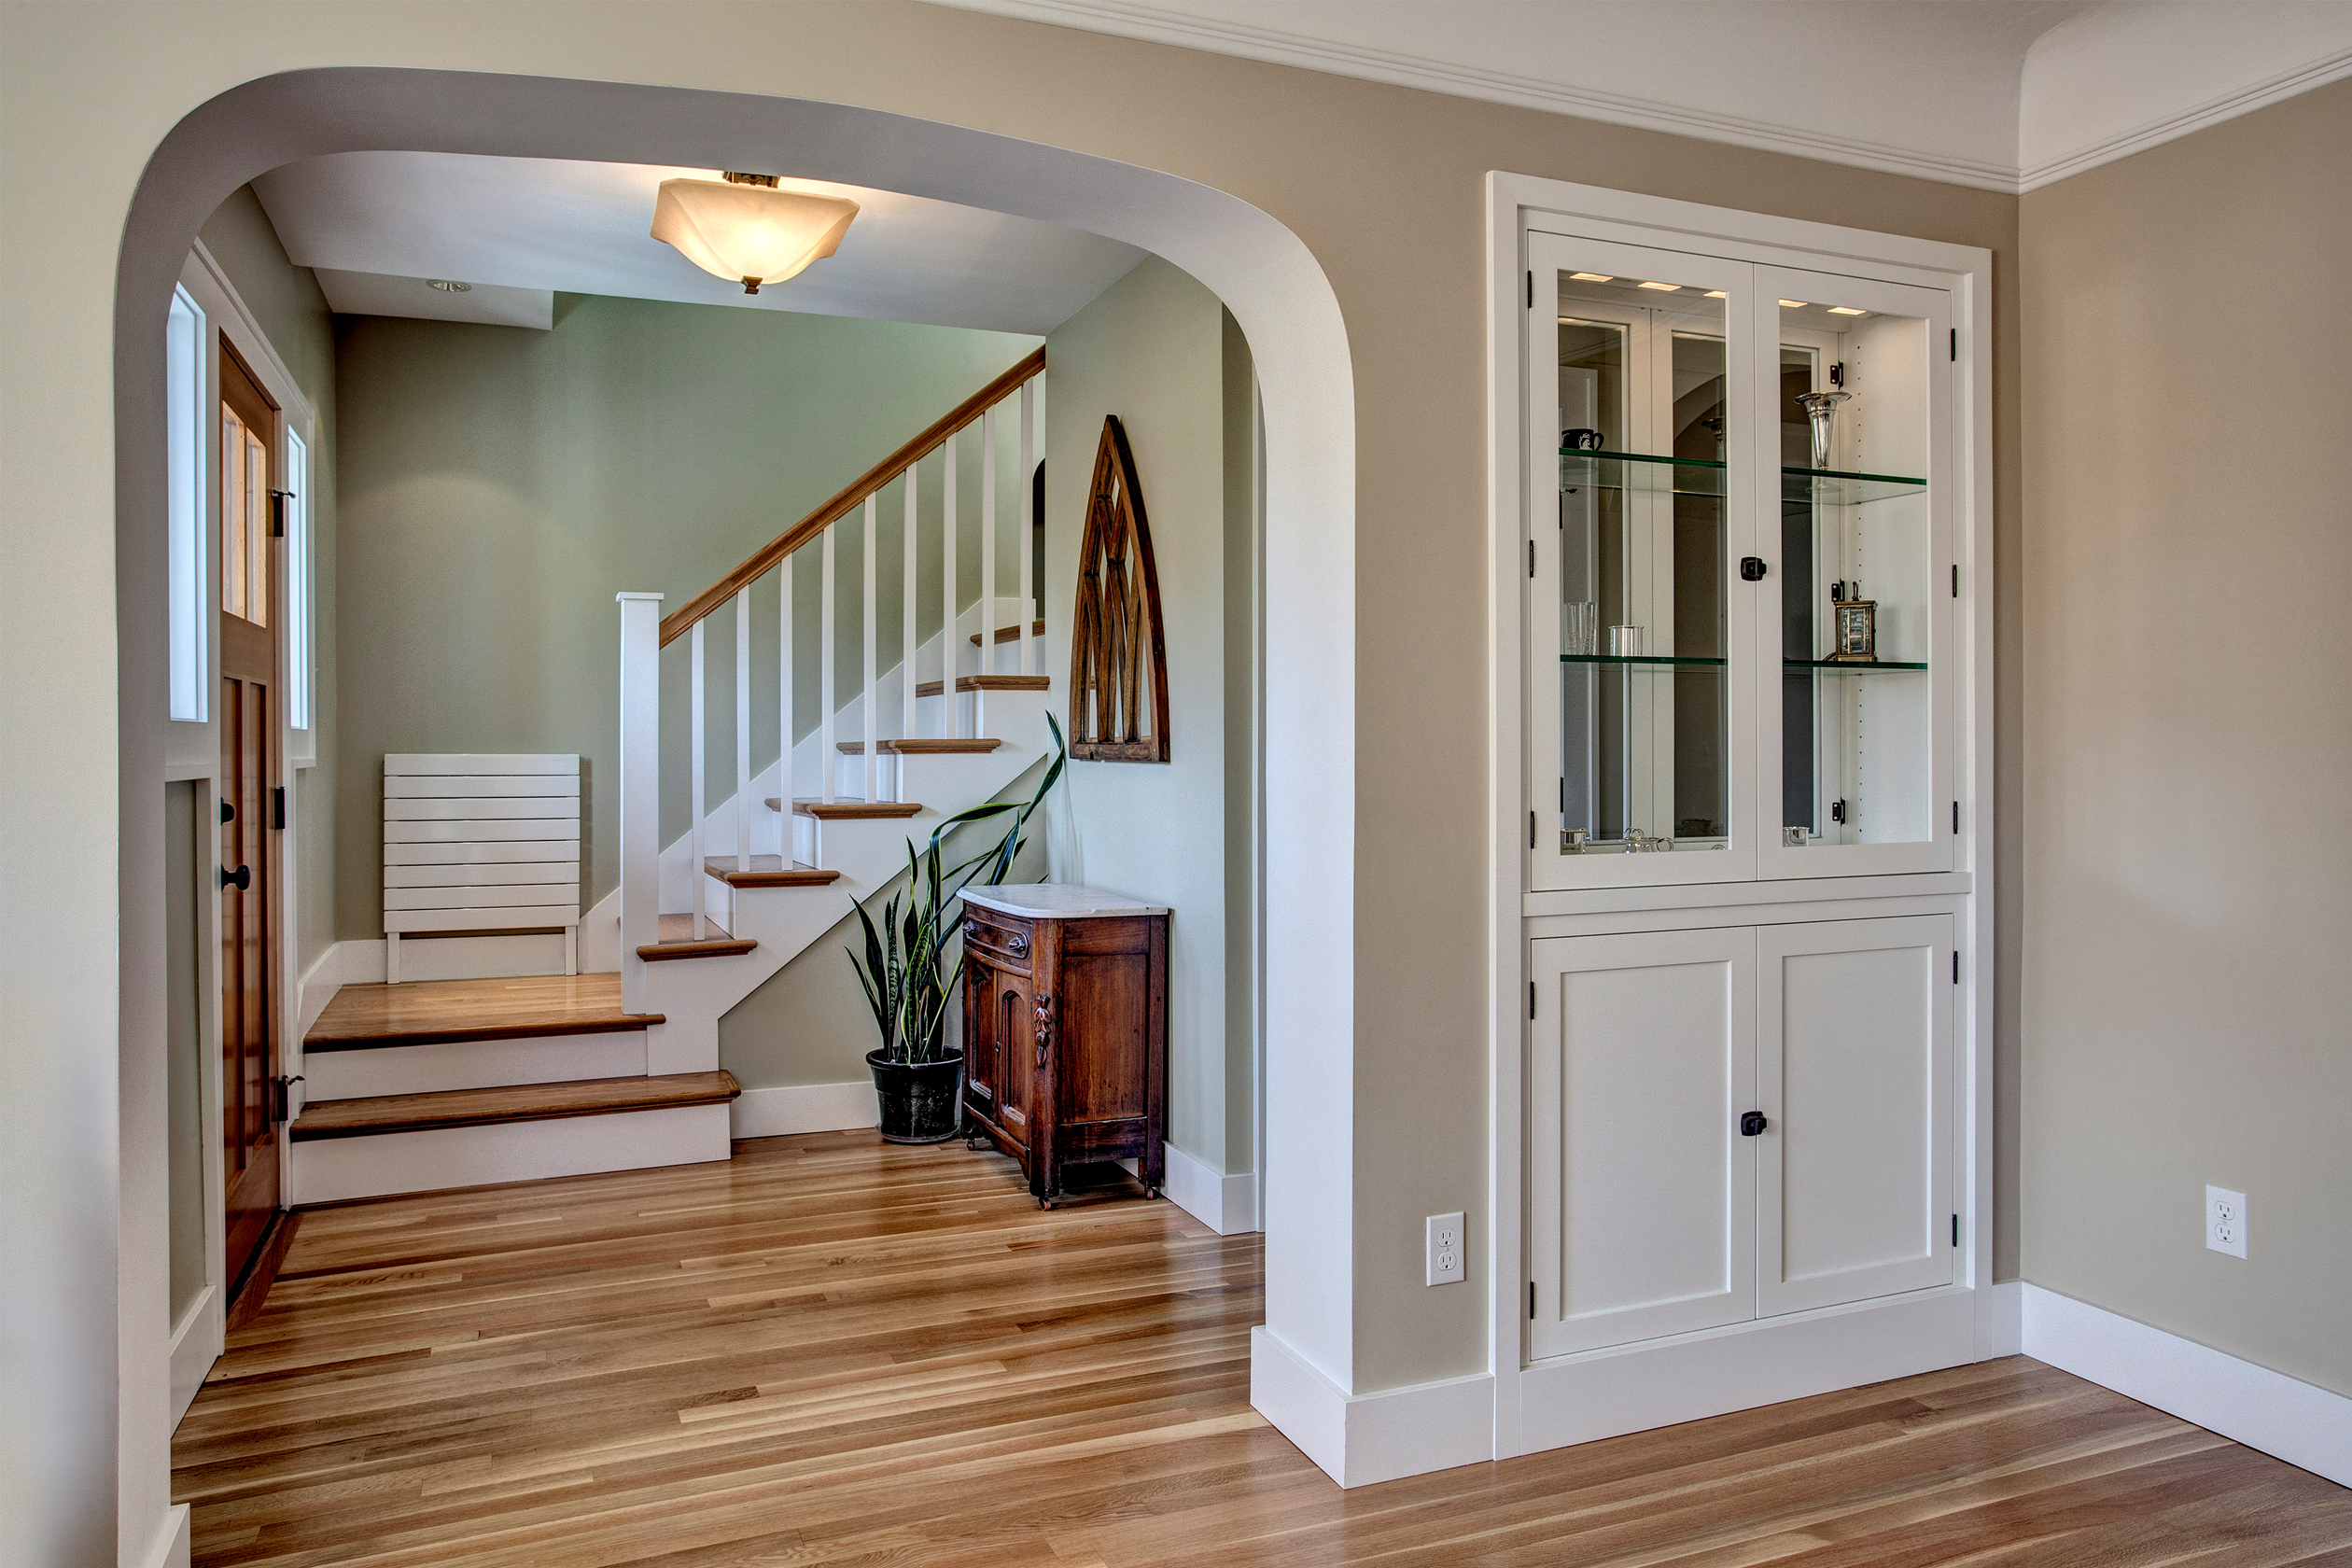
[(1704, 476), (1668, 661)]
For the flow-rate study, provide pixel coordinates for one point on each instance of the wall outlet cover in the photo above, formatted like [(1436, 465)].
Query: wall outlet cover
[(2225, 1221), (1445, 1250)]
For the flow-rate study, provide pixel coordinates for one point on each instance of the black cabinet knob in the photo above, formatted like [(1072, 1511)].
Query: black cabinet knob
[(1752, 1123), (1752, 568)]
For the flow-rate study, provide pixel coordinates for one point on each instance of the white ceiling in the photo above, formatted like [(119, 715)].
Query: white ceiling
[(375, 225), (2005, 95)]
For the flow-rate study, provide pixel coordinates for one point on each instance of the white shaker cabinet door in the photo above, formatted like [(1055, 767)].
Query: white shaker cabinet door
[(1642, 1201), (1854, 1069)]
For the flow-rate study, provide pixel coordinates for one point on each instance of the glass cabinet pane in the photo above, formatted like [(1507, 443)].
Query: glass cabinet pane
[(1639, 590), (1856, 573)]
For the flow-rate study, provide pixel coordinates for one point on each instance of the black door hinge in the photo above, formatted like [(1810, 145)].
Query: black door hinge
[(277, 512), (1955, 1230), (1531, 1301), (281, 1098), (1530, 999), (1955, 346), (1955, 579), (1837, 373), (277, 808), (1531, 291), (1956, 818), (1531, 830), (1530, 557), (1956, 966)]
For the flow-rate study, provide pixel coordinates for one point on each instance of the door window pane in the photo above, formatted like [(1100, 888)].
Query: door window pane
[(1856, 572), (244, 520), (1645, 720)]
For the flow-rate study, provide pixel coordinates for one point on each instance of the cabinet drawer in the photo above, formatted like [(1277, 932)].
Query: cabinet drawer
[(1002, 940)]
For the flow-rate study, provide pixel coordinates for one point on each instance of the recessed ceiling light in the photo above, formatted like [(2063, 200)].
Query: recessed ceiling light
[(448, 285), (1716, 294), (1846, 310), (1594, 277), (1663, 287), (1792, 305)]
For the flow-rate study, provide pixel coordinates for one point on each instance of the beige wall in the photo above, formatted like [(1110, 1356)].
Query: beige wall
[(292, 314), (503, 484), (1384, 185), (2188, 741)]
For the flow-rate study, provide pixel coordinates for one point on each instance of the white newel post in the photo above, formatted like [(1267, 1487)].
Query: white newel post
[(1027, 538), (640, 788)]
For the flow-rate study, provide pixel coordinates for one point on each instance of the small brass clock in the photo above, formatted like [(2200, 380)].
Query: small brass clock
[(1857, 631)]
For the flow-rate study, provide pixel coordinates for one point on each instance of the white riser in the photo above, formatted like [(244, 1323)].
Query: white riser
[(332, 1169), (471, 1064)]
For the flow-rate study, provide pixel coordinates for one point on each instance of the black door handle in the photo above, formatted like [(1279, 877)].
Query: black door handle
[(1752, 1123), (241, 878)]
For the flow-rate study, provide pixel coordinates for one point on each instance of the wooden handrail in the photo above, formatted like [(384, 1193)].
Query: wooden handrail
[(849, 499)]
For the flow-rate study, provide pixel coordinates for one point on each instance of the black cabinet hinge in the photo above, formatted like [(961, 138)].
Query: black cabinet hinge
[(1956, 818), (1955, 1230), (1531, 291), (1530, 999), (1955, 346), (1531, 830), (277, 808), (1955, 579), (1837, 373), (1530, 557), (1531, 1301), (1956, 966)]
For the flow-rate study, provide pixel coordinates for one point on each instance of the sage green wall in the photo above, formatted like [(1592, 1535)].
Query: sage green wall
[(2188, 884), (501, 484), (292, 314)]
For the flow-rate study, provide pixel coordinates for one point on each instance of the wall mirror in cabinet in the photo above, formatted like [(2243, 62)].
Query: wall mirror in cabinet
[(1656, 1205)]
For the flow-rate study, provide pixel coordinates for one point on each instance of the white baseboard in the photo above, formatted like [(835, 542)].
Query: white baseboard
[(333, 1170), (2001, 1320), (172, 1540), (2291, 1420), (197, 1340), (1363, 1439), (1226, 1204), (772, 1113)]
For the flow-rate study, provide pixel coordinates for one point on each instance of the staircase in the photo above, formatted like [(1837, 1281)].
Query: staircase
[(445, 1084)]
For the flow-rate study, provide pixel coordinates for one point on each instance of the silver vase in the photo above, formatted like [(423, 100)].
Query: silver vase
[(1821, 408)]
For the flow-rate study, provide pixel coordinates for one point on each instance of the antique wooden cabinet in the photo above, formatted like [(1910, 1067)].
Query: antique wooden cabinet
[(1066, 1029)]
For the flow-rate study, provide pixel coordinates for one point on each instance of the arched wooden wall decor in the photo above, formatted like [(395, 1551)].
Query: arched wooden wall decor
[(1118, 670)]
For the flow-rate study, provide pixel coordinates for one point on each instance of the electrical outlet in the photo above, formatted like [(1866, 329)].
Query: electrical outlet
[(2225, 1221), (1445, 1250)]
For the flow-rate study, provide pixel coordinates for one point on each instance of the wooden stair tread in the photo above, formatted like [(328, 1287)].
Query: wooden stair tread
[(847, 810), (990, 683), (437, 1012), (1011, 634), (677, 940), (767, 871), (522, 1102), (921, 747)]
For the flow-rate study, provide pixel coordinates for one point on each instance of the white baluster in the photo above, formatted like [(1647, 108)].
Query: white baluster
[(694, 849), (743, 737), (988, 568), (867, 727), (1026, 539), (907, 629), (784, 706), (951, 710), (640, 798), (825, 687)]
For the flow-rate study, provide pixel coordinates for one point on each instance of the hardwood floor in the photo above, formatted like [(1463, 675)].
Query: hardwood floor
[(831, 1351)]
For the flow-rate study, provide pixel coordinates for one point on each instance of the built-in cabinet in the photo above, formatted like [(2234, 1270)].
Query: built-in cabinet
[(1744, 1116), (1733, 1123)]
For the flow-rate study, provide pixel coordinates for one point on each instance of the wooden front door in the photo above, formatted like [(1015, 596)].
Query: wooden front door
[(251, 805)]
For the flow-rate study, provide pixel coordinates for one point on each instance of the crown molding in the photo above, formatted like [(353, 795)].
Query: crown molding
[(1278, 47), (2155, 133)]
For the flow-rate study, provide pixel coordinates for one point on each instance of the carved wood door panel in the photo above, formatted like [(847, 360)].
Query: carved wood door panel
[(1118, 670)]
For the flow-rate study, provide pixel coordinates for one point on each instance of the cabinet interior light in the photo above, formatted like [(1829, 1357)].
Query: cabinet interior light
[(1593, 277), (1661, 287)]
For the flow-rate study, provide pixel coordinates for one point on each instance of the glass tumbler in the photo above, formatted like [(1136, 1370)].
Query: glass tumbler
[(1580, 626)]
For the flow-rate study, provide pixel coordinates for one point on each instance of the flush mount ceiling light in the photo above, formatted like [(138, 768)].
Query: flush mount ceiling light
[(744, 230), (1717, 294), (1792, 305), (449, 285), (1846, 310), (1593, 277), (1663, 287)]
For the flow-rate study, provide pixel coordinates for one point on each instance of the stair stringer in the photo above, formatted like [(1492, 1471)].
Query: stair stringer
[(695, 994)]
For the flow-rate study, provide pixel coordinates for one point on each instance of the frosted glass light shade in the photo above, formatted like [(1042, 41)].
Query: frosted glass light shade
[(750, 234)]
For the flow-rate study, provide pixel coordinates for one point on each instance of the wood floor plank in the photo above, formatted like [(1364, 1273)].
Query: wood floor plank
[(831, 1351)]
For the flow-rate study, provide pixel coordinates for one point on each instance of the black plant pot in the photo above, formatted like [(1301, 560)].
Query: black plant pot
[(922, 1102)]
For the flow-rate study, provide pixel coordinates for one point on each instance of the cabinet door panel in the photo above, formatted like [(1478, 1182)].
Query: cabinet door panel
[(1853, 1068), (983, 1079), (1641, 1200), (1013, 1010)]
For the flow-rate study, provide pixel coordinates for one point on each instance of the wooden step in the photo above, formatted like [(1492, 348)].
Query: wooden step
[(522, 1102), (847, 810), (990, 683), (768, 870), (437, 1012), (678, 941), (1011, 634), (922, 748)]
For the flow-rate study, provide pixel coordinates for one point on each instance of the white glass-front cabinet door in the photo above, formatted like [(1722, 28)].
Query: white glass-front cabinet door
[(1642, 401), (1641, 1202), (1854, 629), (1854, 1078)]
